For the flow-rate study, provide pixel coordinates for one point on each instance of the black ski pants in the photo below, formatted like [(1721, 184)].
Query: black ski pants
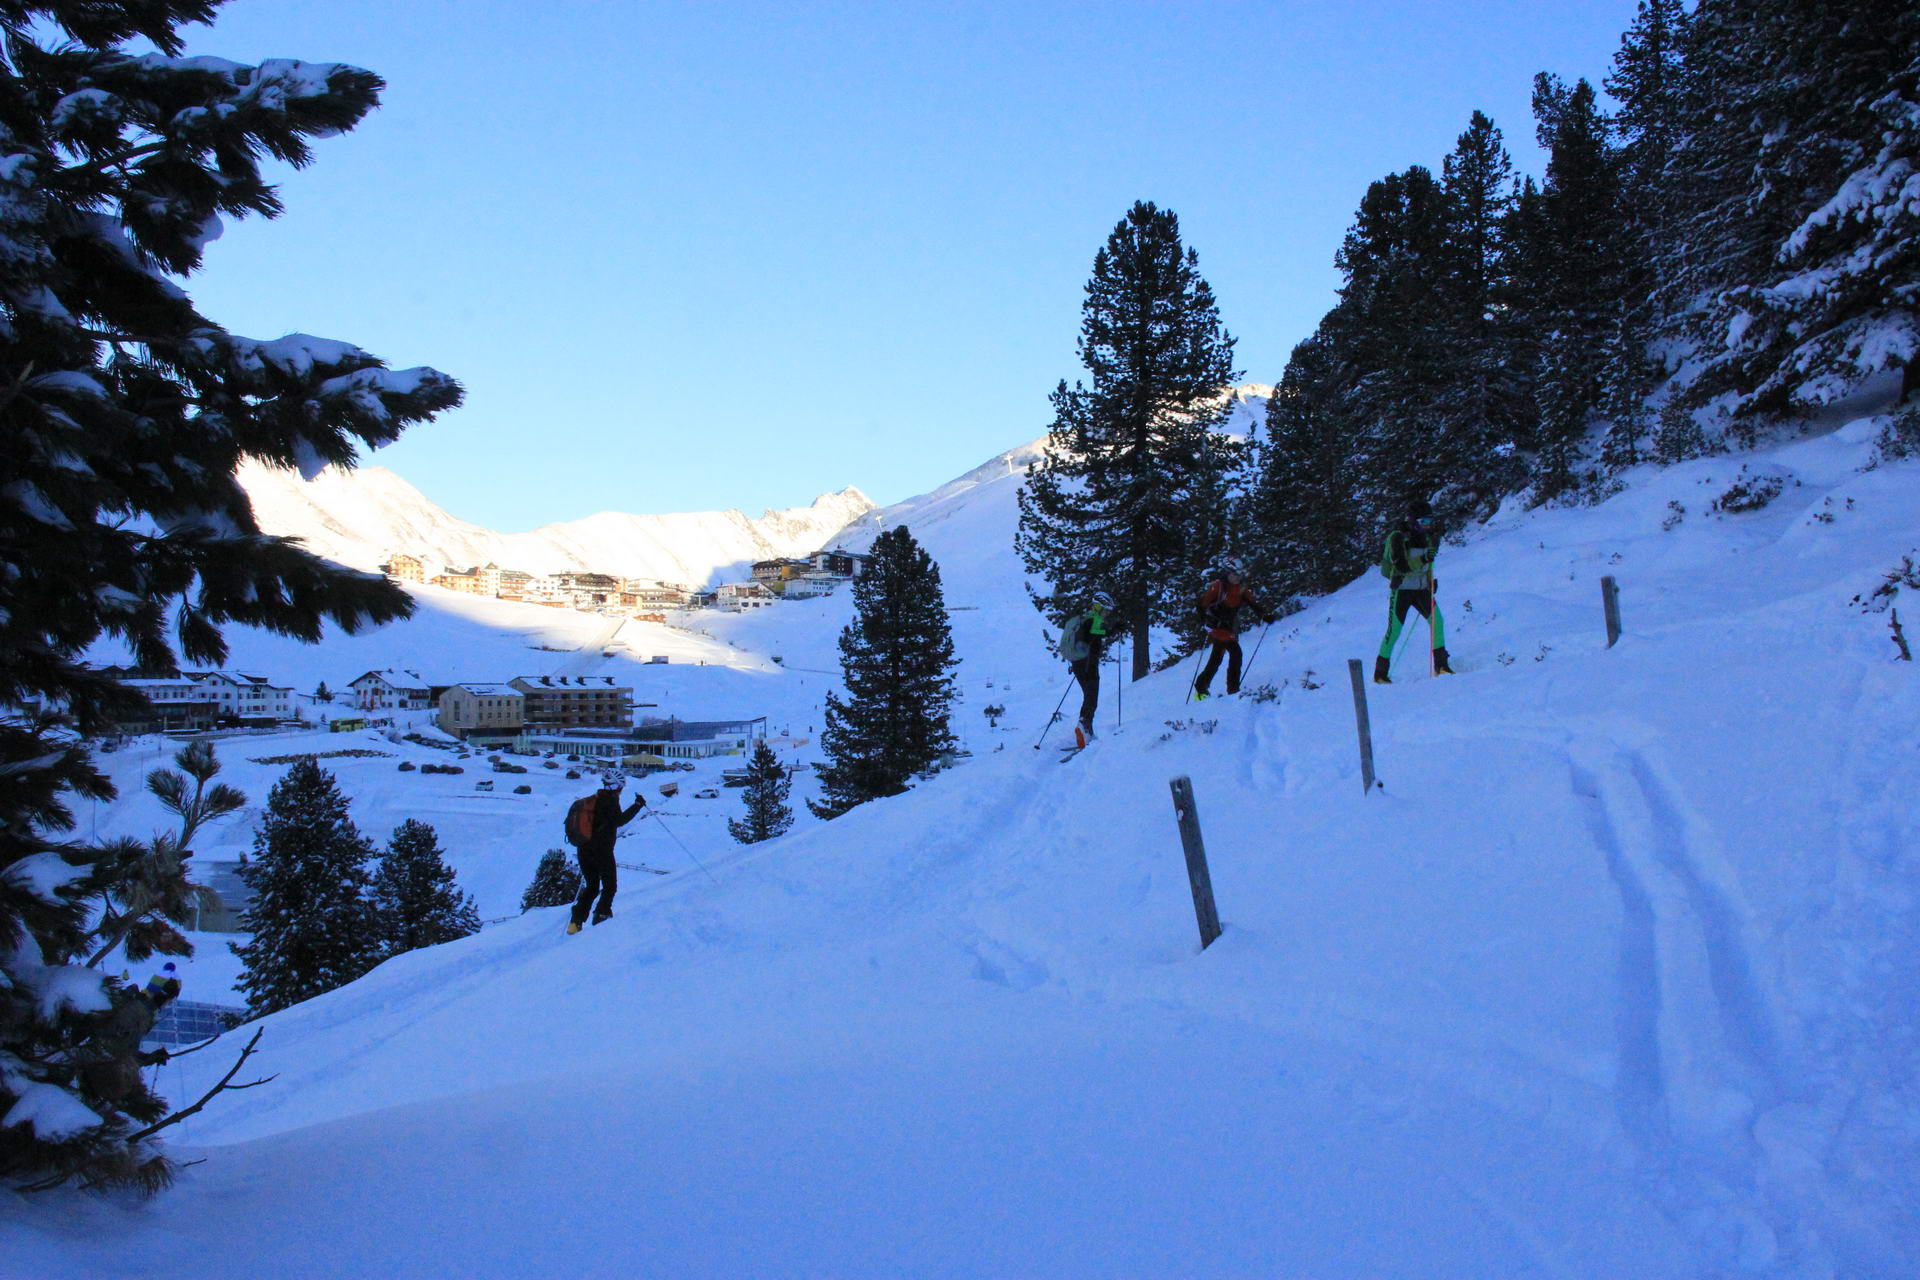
[(1230, 650), (598, 877), (1087, 671)]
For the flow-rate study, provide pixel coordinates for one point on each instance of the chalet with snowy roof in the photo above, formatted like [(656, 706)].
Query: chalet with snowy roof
[(466, 581), (392, 690), (575, 701), (480, 710)]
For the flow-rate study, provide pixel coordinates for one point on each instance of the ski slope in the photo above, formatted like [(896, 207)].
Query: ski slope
[(1610, 978)]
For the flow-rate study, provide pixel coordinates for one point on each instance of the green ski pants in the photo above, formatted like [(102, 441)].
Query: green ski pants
[(1397, 605)]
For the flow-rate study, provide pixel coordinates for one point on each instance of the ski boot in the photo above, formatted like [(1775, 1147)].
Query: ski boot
[(1380, 675), (573, 927), (1440, 667), (1082, 734), (1201, 695), (600, 916)]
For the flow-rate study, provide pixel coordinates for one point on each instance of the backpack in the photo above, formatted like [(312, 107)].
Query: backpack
[(580, 821), (1387, 569), (1073, 640)]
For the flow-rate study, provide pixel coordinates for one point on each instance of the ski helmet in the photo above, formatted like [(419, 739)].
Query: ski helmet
[(1418, 507), (612, 779), (1104, 599), (1232, 568)]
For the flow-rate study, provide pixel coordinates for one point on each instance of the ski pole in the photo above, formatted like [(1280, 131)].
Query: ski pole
[(1055, 716), (1193, 681), (1433, 624), (1119, 695), (683, 848), (1394, 661), (1247, 670)]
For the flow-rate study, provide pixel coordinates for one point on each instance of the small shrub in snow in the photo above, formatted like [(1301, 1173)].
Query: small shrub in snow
[(1900, 438), (1905, 574), (1202, 727), (1504, 658), (1308, 682), (1675, 514), (406, 766), (1748, 493), (1264, 692)]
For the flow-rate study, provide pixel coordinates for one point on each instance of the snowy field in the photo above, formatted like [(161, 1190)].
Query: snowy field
[(1612, 978)]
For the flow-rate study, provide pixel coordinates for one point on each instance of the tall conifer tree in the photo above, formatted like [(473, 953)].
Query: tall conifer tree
[(896, 659), (415, 899), (768, 814), (1575, 274), (125, 413), (312, 921), (1301, 507), (1114, 504)]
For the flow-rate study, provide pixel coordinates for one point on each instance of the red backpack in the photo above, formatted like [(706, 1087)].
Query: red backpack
[(580, 820)]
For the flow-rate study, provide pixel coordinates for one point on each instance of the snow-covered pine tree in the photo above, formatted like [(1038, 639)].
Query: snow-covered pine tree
[(896, 660), (556, 882), (768, 814), (1388, 336), (1299, 512), (1485, 409), (1803, 170), (1574, 275), (125, 413), (1112, 505), (415, 898), (313, 924)]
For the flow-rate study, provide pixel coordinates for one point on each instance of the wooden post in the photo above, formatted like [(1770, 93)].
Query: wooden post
[(1196, 850), (1362, 722), (1610, 601)]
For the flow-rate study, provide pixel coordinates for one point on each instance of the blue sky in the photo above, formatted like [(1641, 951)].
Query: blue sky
[(701, 255)]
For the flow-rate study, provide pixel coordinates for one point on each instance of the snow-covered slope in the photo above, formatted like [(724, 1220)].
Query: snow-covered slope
[(1612, 978), (361, 517)]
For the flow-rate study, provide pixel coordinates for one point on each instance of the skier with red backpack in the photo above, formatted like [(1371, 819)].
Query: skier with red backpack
[(593, 824), (1220, 605)]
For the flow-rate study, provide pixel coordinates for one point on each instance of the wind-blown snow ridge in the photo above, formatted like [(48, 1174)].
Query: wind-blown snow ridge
[(362, 516)]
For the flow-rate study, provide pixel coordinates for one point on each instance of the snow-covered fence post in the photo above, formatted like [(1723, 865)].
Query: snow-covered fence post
[(1610, 601), (1196, 851), (1362, 723)]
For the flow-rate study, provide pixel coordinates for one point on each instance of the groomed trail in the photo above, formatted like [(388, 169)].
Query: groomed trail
[(1610, 978)]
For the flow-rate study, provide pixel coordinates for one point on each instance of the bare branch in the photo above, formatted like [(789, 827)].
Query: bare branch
[(223, 1086)]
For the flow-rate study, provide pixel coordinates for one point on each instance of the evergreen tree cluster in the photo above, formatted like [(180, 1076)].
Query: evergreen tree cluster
[(896, 661), (1728, 237), (1734, 241), (125, 413), (322, 914)]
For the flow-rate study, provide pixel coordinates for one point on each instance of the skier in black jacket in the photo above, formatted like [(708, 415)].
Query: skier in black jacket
[(598, 875)]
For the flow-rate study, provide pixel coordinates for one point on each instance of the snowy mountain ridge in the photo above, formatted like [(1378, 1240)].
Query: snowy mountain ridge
[(361, 517)]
